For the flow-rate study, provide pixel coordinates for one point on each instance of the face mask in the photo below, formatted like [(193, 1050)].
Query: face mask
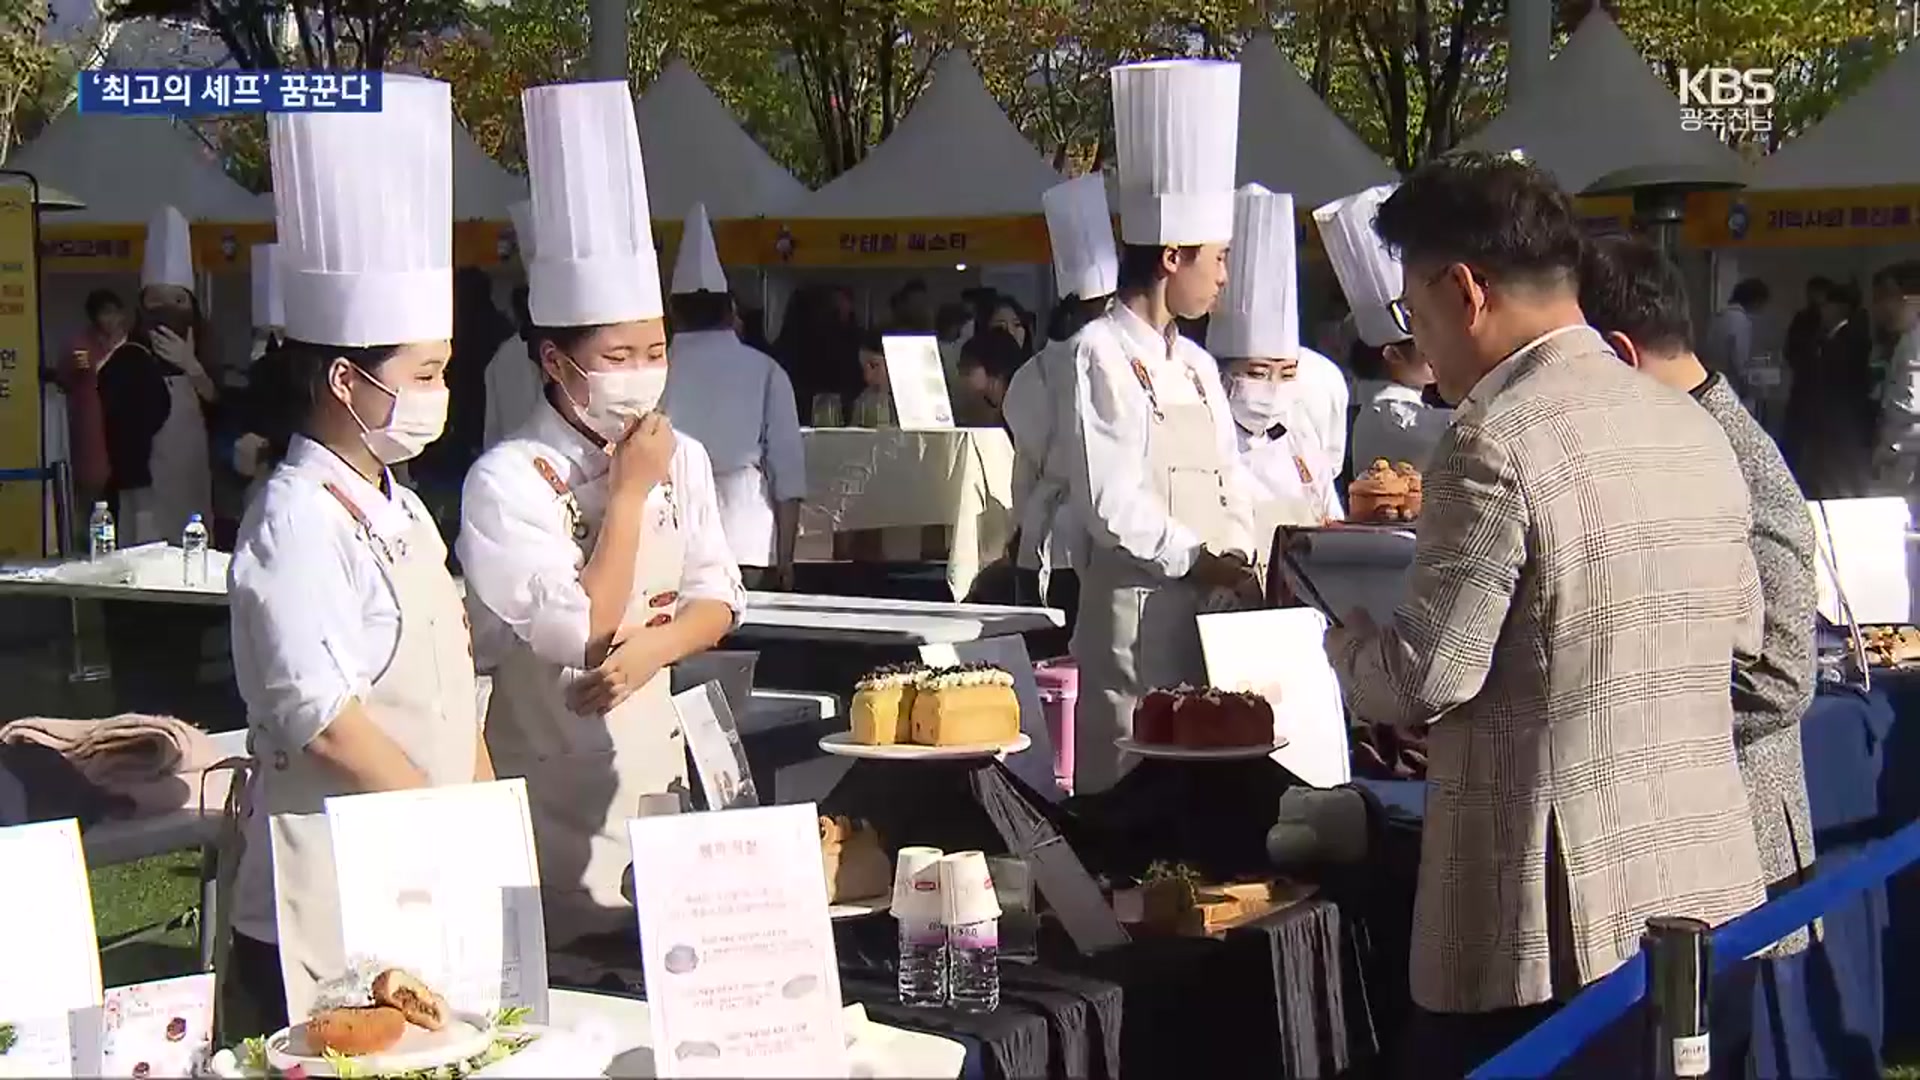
[(616, 398), (1257, 403), (419, 416)]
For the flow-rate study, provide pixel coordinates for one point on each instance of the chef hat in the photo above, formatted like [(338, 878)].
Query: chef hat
[(521, 214), (168, 259), (366, 246), (269, 306), (696, 268), (1258, 314), (1177, 126), (1368, 272), (1080, 229), (593, 259)]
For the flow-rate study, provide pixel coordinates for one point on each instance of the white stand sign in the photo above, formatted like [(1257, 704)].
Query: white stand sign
[(1281, 654), (50, 959), (918, 382)]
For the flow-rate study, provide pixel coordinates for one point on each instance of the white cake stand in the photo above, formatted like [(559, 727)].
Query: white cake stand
[(841, 744), (1188, 753)]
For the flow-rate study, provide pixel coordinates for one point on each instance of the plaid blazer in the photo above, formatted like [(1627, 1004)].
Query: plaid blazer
[(1581, 584)]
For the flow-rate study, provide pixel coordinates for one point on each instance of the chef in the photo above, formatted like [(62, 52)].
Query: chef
[(1086, 270), (1255, 334), (1156, 473), (1395, 421), (735, 401), (349, 643), (591, 538)]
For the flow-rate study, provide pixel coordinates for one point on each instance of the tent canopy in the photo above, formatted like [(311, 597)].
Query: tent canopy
[(955, 154), (1599, 109), (697, 152), (482, 187), (126, 167), (1299, 145), (1855, 146)]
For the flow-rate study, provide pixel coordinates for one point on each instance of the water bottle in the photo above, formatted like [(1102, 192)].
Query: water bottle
[(101, 538), (973, 966), (193, 550), (923, 963)]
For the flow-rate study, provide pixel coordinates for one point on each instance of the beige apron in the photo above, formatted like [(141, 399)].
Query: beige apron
[(1289, 489), (585, 774), (182, 474), (1136, 629)]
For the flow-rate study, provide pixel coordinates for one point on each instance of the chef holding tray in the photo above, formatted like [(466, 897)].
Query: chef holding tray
[(349, 643), (591, 538)]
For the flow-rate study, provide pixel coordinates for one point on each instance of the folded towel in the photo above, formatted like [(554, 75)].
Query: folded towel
[(156, 761)]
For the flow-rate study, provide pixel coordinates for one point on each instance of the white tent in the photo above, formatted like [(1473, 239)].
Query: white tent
[(697, 152), (1855, 146), (1290, 140), (955, 154), (126, 167), (1600, 108), (482, 187)]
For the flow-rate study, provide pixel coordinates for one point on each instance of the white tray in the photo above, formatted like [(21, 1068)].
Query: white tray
[(1188, 753), (466, 1035), (841, 743)]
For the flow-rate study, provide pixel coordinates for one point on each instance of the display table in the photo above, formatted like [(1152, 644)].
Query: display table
[(903, 482)]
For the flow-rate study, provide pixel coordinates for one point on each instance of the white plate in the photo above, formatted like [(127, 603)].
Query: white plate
[(465, 1036), (857, 909), (1188, 753), (841, 743)]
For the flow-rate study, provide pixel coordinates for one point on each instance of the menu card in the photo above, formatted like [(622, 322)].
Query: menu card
[(48, 909), (738, 954), (454, 896), (718, 757), (162, 1028), (1281, 654), (1862, 558), (918, 381)]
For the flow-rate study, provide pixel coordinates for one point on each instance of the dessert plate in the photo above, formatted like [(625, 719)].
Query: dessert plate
[(466, 1035), (841, 743), (1190, 753), (859, 909)]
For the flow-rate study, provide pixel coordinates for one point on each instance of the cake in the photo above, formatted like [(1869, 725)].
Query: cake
[(1203, 719), (968, 705), (1384, 493), (855, 865), (883, 705)]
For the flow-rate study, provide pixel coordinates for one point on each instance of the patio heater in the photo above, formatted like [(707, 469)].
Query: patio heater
[(1660, 195)]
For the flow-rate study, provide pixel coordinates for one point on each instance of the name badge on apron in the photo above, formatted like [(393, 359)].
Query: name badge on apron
[(1306, 474)]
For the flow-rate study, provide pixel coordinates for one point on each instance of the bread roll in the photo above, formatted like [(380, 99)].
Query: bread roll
[(416, 1001), (355, 1032)]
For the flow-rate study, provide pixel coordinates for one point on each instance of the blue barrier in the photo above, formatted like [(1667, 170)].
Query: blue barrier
[(25, 476), (1540, 1051)]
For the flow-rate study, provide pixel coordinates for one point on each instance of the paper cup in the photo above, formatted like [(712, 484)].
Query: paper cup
[(966, 889), (916, 884)]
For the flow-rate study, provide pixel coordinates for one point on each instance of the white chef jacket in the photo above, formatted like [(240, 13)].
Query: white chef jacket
[(734, 400), (1269, 457), (1039, 403), (516, 548), (1900, 411), (514, 389), (1317, 398), (1397, 424), (314, 620), (1112, 414)]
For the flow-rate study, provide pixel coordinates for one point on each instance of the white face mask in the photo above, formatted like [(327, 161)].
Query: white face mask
[(616, 398), (1257, 404), (419, 417)]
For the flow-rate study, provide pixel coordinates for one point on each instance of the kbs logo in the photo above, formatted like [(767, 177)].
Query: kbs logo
[(1723, 87)]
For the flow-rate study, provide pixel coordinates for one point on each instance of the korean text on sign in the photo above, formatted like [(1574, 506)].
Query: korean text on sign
[(201, 93)]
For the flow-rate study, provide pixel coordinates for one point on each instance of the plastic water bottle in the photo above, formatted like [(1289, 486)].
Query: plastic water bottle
[(193, 550), (101, 538), (923, 963), (973, 966)]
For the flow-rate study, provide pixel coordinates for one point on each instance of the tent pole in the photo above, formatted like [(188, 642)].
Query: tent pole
[(1529, 46), (607, 46)]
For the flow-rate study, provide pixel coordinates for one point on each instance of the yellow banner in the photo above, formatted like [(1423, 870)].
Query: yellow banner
[(23, 510), (1859, 217)]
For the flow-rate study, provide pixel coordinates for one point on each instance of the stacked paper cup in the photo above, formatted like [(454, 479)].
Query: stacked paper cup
[(923, 929), (971, 913)]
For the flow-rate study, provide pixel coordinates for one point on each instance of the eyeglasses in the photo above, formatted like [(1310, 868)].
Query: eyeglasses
[(1403, 315)]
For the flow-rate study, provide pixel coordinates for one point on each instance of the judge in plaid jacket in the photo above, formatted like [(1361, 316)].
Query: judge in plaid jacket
[(1581, 584)]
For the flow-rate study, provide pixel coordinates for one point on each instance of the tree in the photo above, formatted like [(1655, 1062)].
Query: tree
[(335, 34), (32, 69)]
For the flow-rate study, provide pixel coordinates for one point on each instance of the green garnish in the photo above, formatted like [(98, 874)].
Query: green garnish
[(253, 1056), (343, 1066), (7, 1038), (512, 1016)]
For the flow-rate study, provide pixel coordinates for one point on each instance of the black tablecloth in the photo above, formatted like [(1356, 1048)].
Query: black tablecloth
[(1050, 1023), (1212, 816)]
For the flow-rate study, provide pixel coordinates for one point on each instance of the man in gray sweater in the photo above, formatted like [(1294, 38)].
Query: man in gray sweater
[(1635, 297)]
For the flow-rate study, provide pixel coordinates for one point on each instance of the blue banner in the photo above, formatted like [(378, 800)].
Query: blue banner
[(205, 93)]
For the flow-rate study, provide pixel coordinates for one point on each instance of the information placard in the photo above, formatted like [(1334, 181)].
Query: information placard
[(918, 381)]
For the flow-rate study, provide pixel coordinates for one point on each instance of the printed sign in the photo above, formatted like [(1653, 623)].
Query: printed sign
[(1280, 654), (157, 1029), (50, 907), (718, 757), (23, 503), (918, 381)]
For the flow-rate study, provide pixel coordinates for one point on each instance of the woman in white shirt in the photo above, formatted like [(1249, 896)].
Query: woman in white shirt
[(591, 539), (349, 642)]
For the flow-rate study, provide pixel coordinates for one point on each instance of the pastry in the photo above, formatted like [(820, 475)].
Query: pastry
[(969, 705), (356, 1031), (1379, 495), (416, 1001), (1411, 475), (883, 704), (855, 865), (1890, 646), (1203, 719)]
